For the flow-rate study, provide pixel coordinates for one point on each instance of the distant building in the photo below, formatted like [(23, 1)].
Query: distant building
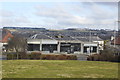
[(6, 35), (116, 41), (58, 42)]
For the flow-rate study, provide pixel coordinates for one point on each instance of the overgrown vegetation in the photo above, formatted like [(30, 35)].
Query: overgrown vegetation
[(108, 54)]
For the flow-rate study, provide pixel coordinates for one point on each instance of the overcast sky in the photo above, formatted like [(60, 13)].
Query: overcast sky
[(59, 15)]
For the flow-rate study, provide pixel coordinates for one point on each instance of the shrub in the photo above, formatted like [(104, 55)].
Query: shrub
[(11, 56), (117, 58), (29, 56), (73, 57), (68, 57), (35, 55), (52, 57), (48, 57), (94, 57), (57, 57), (22, 55), (43, 57), (103, 57), (62, 57)]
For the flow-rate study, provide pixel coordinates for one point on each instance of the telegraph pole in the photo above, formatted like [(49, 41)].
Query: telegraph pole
[(118, 28), (114, 33)]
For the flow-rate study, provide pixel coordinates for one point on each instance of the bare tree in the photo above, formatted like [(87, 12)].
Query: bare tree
[(18, 44)]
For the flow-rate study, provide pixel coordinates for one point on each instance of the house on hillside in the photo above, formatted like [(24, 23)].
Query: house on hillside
[(6, 35), (116, 41)]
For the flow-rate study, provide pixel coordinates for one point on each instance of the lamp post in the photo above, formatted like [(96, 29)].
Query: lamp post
[(90, 42)]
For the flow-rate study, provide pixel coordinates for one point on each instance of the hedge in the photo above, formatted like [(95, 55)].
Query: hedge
[(34, 55), (58, 57), (39, 56)]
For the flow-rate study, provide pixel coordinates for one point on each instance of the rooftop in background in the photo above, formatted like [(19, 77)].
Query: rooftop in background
[(87, 39), (65, 34)]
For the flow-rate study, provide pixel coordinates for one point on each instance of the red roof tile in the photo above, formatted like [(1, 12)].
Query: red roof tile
[(6, 36)]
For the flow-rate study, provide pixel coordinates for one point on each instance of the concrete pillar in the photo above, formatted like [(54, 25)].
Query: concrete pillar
[(58, 47), (41, 45), (97, 48), (82, 48)]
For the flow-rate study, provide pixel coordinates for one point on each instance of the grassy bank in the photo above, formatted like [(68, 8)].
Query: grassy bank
[(58, 69)]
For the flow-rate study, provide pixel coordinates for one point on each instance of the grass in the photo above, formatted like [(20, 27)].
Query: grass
[(58, 69)]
